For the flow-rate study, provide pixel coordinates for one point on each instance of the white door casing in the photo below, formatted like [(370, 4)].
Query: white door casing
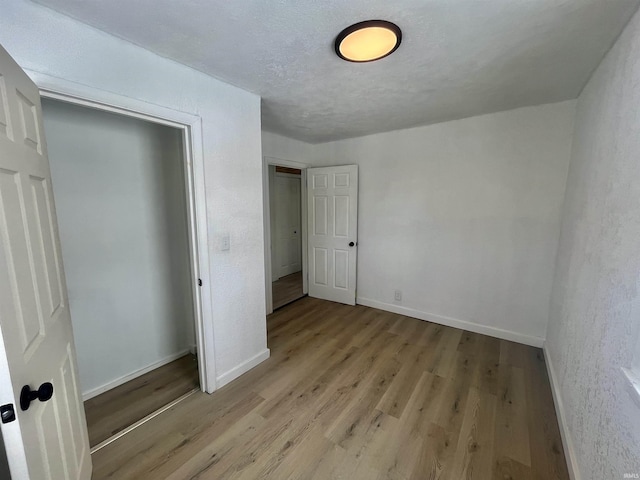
[(191, 126), (49, 440), (332, 236), (287, 223), (268, 174)]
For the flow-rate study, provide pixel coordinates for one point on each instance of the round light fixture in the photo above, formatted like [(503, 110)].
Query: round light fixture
[(368, 41)]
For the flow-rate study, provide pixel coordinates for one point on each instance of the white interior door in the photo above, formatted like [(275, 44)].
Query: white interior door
[(288, 228), (49, 439), (333, 230)]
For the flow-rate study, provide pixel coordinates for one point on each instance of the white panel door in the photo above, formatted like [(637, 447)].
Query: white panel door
[(49, 439), (333, 229), (288, 224)]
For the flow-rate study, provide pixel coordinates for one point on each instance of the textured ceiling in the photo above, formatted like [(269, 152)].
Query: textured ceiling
[(458, 58)]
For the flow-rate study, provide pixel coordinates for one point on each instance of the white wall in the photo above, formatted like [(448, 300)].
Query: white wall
[(284, 148), (594, 326), (463, 217), (121, 205), (44, 41)]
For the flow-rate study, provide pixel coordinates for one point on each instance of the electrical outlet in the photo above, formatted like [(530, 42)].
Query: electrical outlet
[(398, 296)]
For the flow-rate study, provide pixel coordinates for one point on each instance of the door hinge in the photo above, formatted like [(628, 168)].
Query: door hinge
[(199, 282), (7, 413)]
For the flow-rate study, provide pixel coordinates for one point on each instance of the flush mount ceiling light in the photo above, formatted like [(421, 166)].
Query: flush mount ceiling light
[(368, 41)]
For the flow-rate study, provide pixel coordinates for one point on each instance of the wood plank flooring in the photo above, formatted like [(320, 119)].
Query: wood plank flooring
[(287, 289), (121, 407), (357, 393)]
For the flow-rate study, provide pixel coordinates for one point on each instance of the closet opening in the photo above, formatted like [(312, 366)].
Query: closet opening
[(122, 196)]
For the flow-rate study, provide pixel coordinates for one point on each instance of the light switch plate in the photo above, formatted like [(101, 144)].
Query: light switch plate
[(225, 242)]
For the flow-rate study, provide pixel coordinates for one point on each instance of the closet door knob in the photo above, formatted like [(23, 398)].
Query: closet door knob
[(44, 393)]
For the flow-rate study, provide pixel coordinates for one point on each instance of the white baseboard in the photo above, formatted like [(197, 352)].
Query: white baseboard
[(124, 379), (244, 367), (567, 442), (453, 322)]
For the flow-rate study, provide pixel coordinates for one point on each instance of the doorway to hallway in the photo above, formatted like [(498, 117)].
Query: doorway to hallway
[(285, 187)]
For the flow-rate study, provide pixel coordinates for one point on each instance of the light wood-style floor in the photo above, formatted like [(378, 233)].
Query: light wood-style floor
[(121, 407), (287, 289), (357, 393)]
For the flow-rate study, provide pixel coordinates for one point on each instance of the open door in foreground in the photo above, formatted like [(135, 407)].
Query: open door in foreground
[(333, 231), (46, 437)]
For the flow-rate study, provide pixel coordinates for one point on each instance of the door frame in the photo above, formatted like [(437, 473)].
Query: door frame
[(279, 162), (193, 163)]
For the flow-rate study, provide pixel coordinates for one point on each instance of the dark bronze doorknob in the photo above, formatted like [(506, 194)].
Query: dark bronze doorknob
[(351, 244), (44, 393)]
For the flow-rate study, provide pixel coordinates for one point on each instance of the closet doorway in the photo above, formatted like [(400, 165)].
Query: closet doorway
[(120, 189), (285, 201)]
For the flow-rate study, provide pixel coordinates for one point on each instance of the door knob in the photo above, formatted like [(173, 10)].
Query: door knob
[(351, 244), (44, 393)]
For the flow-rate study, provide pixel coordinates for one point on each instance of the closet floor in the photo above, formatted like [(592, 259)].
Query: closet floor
[(287, 289), (121, 407)]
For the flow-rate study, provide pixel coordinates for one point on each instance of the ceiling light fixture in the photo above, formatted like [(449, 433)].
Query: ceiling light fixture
[(368, 41)]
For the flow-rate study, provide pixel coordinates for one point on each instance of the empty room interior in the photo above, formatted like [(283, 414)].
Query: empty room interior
[(320, 240)]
